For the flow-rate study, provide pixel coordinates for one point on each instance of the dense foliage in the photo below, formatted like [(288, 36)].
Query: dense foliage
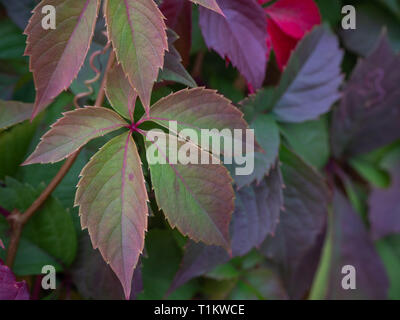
[(79, 192)]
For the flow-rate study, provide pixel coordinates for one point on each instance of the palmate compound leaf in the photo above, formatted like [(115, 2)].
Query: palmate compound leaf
[(198, 199), (138, 33), (257, 210), (73, 131), (13, 112), (56, 55), (313, 71), (120, 92), (210, 4), (112, 201), (201, 108), (240, 36)]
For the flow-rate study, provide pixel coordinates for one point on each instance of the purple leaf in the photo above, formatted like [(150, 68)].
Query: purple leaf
[(369, 114), (351, 245), (19, 11), (310, 83), (10, 289), (95, 279), (240, 36), (295, 248), (256, 215), (384, 204), (56, 55)]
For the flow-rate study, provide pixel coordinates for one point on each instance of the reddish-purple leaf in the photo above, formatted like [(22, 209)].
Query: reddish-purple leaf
[(10, 289), (198, 199), (351, 245), (56, 55), (295, 248), (120, 92), (138, 33), (13, 112), (384, 204), (256, 215), (197, 109), (239, 36), (179, 18), (112, 201), (95, 279), (210, 4), (73, 131), (369, 114)]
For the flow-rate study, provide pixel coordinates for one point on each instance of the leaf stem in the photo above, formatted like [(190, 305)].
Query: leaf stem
[(18, 220)]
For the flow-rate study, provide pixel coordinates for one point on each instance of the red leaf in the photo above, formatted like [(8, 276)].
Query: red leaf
[(288, 22)]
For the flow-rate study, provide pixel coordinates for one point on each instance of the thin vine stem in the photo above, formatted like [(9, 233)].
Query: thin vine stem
[(16, 219)]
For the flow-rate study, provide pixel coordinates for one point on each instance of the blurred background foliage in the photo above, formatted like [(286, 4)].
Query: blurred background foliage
[(60, 241)]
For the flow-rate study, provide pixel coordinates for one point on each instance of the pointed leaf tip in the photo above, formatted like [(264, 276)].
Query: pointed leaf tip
[(112, 201), (138, 33), (56, 55), (72, 131)]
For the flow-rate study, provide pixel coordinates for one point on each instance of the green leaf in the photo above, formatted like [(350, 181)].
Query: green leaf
[(30, 258), (73, 131), (138, 33), (13, 112), (12, 42), (56, 55), (267, 133), (120, 93), (112, 201), (309, 139), (259, 284), (160, 264), (14, 144), (389, 251), (51, 228), (198, 199), (372, 173)]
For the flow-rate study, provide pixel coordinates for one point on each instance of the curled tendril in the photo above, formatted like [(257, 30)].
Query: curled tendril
[(89, 82)]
